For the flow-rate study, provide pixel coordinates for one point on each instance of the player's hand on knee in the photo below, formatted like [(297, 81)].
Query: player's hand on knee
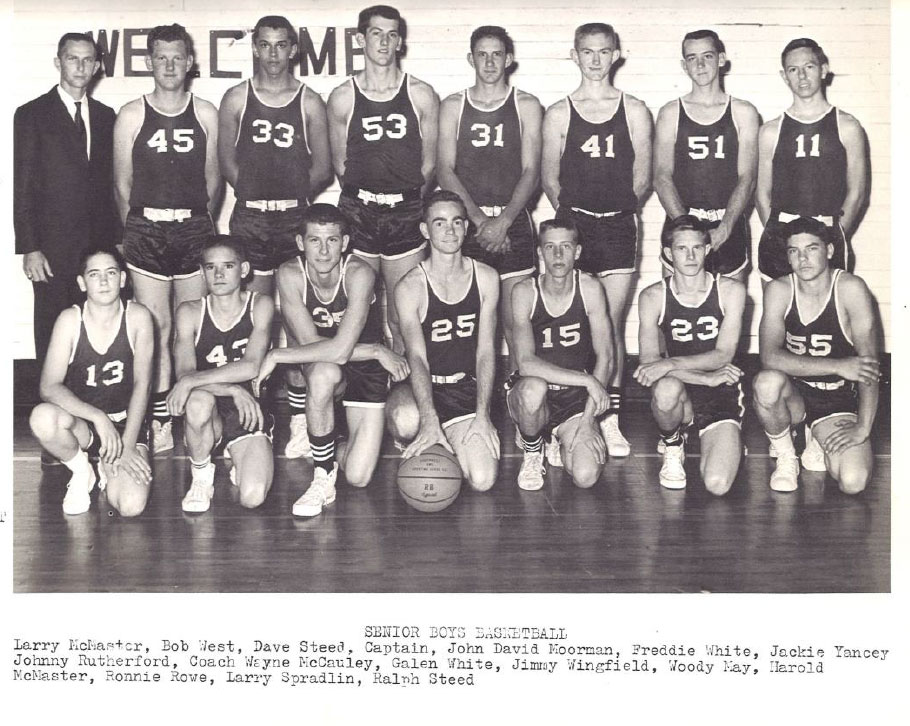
[(862, 368), (248, 410), (724, 376), (134, 465), (847, 435), (484, 429), (648, 374), (587, 436), (426, 437), (177, 398), (599, 395), (395, 364), (111, 445)]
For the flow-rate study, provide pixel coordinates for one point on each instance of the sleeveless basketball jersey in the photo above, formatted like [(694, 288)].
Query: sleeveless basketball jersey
[(104, 380), (450, 329), (385, 147), (273, 155), (705, 159), (488, 150), (809, 167), (564, 339), (216, 347), (169, 160), (822, 337), (595, 171), (328, 314), (691, 330)]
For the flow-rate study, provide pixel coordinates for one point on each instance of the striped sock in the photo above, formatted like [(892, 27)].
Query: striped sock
[(159, 407), (615, 393), (297, 399), (200, 465), (672, 439), (531, 446), (323, 450)]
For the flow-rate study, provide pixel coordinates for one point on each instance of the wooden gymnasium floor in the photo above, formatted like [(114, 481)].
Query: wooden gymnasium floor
[(627, 534)]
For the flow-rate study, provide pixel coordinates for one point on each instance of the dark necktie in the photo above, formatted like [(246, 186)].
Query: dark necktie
[(80, 127)]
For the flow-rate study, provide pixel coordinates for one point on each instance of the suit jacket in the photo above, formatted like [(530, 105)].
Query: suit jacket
[(62, 201)]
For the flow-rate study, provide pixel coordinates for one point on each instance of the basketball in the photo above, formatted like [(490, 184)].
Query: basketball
[(431, 481)]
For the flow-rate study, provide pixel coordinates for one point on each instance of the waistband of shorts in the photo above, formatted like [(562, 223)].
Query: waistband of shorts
[(448, 380), (383, 199), (785, 217), (155, 214), (602, 215), (273, 205), (708, 215)]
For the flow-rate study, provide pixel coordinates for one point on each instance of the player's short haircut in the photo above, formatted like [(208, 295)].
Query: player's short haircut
[(493, 31), (439, 196), (684, 223), (169, 34), (99, 249), (807, 225), (231, 242), (583, 31), (797, 43), (75, 38), (383, 11), (322, 213), (567, 224), (276, 22), (702, 35)]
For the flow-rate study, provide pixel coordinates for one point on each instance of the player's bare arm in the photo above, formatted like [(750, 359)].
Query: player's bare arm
[(127, 125), (208, 117), (553, 142), (142, 339), (774, 353), (746, 119), (409, 289), (317, 130), (338, 111), (229, 116), (641, 130), (664, 160), (426, 105), (854, 140), (482, 427), (52, 388), (446, 148), (767, 137)]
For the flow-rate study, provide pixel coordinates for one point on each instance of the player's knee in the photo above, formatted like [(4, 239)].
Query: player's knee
[(585, 473), (359, 473), (321, 381), (529, 394), (253, 493), (402, 416), (482, 472), (128, 499), (667, 392), (853, 480), (717, 483), (199, 408), (44, 421), (768, 387)]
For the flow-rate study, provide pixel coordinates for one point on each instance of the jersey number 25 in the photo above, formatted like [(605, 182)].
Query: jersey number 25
[(442, 329)]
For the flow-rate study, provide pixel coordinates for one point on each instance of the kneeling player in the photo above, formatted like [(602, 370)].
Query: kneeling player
[(699, 317), (819, 350), (221, 340), (562, 346), (447, 308), (95, 387), (330, 308)]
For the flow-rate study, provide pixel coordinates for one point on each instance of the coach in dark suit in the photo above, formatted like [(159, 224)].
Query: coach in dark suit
[(63, 182)]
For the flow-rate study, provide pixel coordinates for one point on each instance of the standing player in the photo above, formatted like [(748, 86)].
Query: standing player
[(448, 320), (562, 345), (819, 352), (382, 128), (221, 340), (705, 156), (329, 304), (811, 163), (95, 386), (489, 154), (274, 149), (595, 171), (698, 316), (167, 184)]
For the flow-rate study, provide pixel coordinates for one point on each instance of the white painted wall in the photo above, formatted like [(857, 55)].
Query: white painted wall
[(856, 40)]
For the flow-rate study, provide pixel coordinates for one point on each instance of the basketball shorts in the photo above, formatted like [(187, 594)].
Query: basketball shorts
[(563, 402), (772, 250), (382, 230), (166, 250), (733, 255), (714, 405), (824, 403), (94, 444), (609, 245), (366, 384), (519, 259), (269, 237), (455, 402), (231, 429)]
